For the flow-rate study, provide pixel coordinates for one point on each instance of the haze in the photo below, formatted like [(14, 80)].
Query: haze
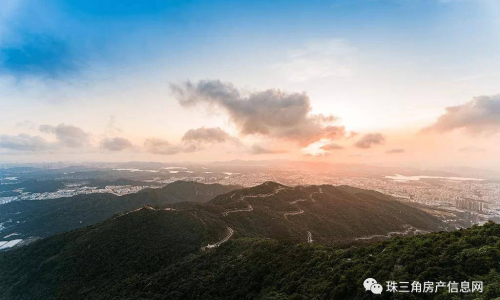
[(389, 83)]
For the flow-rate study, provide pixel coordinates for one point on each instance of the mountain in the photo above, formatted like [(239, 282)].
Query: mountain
[(474, 172), (91, 260), (32, 186), (327, 213), (269, 269), (158, 253), (120, 257), (47, 217)]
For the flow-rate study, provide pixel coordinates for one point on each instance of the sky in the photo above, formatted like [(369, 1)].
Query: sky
[(381, 82)]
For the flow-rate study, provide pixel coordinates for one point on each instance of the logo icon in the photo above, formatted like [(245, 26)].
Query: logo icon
[(376, 288), (371, 284)]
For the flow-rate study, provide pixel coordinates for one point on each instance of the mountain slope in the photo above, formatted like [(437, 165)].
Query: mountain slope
[(155, 254), (130, 255), (48, 217), (267, 269), (327, 212), (116, 252)]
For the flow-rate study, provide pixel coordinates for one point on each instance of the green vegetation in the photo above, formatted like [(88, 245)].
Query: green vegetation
[(33, 186), (103, 259), (331, 214), (268, 269), (48, 217), (156, 255)]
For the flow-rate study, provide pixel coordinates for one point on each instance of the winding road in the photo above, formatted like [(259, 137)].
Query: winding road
[(293, 213), (225, 239), (250, 208), (409, 229), (260, 195), (299, 200), (146, 207)]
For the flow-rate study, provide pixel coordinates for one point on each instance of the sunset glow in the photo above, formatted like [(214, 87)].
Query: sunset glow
[(415, 84)]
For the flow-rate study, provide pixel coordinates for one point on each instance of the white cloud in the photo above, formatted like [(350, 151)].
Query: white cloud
[(331, 58), (23, 142), (67, 135)]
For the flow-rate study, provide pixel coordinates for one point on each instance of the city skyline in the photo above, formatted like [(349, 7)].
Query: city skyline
[(374, 82)]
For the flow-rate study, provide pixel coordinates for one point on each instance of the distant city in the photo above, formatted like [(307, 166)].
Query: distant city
[(455, 198)]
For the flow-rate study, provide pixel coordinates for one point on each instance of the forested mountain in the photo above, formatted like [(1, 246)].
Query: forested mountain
[(273, 270), (159, 254), (237, 235), (327, 213), (47, 217)]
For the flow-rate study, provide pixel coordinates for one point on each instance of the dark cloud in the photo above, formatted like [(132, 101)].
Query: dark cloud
[(271, 112), (208, 135), (116, 144), (332, 146), (67, 135), (395, 151), (479, 116), (23, 142), (370, 139), (258, 149), (163, 147)]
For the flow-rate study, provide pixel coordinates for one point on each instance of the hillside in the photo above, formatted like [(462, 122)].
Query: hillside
[(157, 254), (130, 252), (117, 251), (268, 269), (327, 213), (48, 217)]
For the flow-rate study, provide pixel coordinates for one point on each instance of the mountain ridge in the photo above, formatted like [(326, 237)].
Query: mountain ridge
[(48, 217)]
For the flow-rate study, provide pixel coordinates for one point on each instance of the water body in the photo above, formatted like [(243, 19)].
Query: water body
[(10, 178), (136, 170), (9, 244), (404, 178)]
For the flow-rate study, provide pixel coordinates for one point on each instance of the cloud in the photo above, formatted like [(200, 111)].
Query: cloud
[(192, 141), (331, 146), (23, 142), (318, 155), (67, 135), (471, 150), (330, 58), (479, 116), (112, 127), (370, 139), (271, 112), (26, 124), (395, 151), (208, 135), (258, 149), (352, 134), (116, 144), (163, 147)]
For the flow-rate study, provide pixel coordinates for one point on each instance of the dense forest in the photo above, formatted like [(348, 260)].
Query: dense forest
[(268, 269), (48, 217), (158, 254)]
